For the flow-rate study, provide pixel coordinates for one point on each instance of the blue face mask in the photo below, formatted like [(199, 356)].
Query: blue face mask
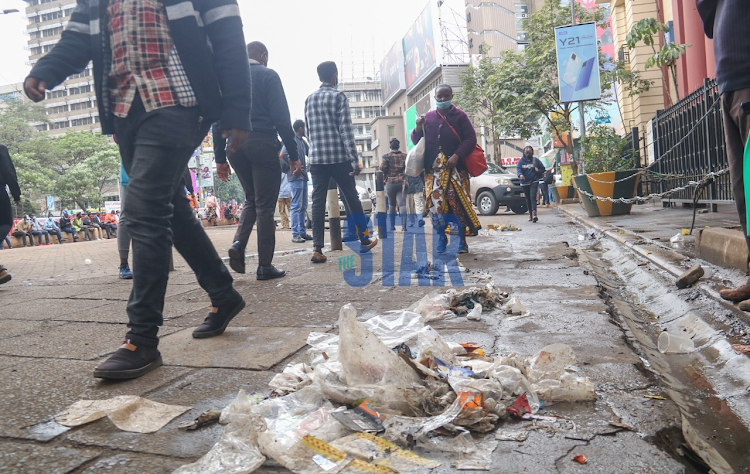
[(444, 105)]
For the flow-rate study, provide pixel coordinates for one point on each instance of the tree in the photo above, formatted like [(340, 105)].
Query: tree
[(667, 56), (76, 147), (475, 100), (606, 151), (231, 190)]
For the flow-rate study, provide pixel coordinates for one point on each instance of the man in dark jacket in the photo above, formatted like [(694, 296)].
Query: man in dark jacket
[(257, 164), (726, 22), (530, 170), (164, 70), (7, 178)]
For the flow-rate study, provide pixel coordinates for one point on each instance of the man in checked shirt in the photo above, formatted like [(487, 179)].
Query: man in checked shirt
[(333, 155), (156, 94)]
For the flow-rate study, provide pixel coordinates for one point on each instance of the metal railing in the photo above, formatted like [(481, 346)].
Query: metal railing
[(688, 141)]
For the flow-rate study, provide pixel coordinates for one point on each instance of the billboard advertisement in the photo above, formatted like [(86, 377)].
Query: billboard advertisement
[(420, 50), (423, 105), (578, 63), (392, 73)]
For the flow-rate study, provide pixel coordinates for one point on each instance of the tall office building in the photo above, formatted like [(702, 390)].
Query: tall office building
[(71, 106), (498, 24), (365, 104)]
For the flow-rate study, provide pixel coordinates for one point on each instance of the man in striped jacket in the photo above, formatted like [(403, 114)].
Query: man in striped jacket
[(164, 70)]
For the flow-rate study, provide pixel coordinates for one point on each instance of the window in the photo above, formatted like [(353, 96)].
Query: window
[(48, 47), (52, 16), (42, 127), (36, 50), (59, 125), (86, 73), (57, 110), (35, 19), (56, 94), (52, 31), (81, 121), (35, 34), (80, 89), (391, 131), (67, 12), (80, 106)]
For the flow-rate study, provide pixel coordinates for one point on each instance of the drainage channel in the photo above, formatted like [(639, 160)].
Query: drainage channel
[(711, 384)]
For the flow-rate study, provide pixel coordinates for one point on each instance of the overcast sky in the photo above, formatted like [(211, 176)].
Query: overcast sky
[(299, 34)]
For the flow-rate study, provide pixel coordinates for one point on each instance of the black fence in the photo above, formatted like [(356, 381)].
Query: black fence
[(688, 143)]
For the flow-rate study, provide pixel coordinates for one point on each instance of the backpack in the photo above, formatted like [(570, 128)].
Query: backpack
[(549, 178)]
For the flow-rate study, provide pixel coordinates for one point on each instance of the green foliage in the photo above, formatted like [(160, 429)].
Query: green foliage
[(606, 151), (231, 190), (87, 162)]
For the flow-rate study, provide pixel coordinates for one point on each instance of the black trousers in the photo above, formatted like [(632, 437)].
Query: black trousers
[(736, 130), (6, 214), (258, 168), (321, 176), (531, 190)]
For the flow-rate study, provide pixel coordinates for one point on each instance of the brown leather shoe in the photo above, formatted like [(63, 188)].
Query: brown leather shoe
[(741, 293), (318, 257), (745, 305), (4, 275)]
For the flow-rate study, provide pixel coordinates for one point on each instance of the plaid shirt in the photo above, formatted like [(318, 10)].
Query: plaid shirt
[(329, 128), (144, 58), (395, 165)]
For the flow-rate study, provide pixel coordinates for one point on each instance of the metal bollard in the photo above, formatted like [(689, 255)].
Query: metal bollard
[(334, 216), (381, 216)]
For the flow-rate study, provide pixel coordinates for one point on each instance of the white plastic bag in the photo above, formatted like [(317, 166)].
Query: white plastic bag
[(415, 159), (395, 329)]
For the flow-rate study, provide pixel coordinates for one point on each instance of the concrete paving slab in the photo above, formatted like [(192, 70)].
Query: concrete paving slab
[(130, 463), (11, 361), (48, 309), (238, 347), (202, 390), (18, 327), (83, 341), (34, 390), (28, 458)]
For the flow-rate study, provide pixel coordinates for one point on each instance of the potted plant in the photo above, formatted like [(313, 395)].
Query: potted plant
[(610, 171)]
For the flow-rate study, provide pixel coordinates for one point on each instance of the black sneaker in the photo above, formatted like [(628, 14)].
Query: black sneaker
[(218, 318), (129, 362), (464, 248), (307, 237), (269, 272), (237, 257)]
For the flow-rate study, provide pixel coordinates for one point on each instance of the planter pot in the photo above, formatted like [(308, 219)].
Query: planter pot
[(604, 185), (563, 192)]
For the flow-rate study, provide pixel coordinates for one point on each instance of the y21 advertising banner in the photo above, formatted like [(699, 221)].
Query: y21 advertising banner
[(578, 63)]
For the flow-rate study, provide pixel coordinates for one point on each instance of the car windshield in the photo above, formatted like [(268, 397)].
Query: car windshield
[(492, 168)]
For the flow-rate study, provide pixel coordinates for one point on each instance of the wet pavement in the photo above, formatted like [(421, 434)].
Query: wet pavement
[(60, 317)]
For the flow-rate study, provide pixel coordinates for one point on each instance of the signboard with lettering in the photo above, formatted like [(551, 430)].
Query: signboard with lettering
[(578, 63)]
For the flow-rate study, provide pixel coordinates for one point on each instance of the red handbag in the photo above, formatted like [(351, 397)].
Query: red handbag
[(475, 163)]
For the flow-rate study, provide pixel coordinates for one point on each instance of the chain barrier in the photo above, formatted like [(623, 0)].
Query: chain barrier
[(707, 179)]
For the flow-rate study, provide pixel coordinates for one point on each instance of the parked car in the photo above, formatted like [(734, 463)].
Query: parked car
[(497, 187), (364, 198)]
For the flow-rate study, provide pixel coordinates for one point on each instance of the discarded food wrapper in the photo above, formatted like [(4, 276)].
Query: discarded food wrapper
[(517, 436), (383, 453), (328, 458), (361, 418), (580, 459), (127, 412), (520, 407), (293, 378), (480, 459), (205, 418)]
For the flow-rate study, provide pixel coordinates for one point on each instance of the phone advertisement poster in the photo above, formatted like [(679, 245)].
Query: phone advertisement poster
[(578, 63)]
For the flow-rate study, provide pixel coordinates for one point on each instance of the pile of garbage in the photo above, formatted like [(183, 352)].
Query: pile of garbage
[(387, 385)]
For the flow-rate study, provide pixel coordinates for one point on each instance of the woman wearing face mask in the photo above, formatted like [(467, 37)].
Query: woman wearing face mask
[(449, 139), (530, 170)]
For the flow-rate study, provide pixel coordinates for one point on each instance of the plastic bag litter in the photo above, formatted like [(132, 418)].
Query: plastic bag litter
[(434, 307), (405, 430), (395, 329), (515, 307), (553, 375), (293, 378), (489, 296), (476, 313), (430, 343), (514, 384), (365, 360), (127, 412), (480, 459), (237, 450), (383, 453), (322, 343)]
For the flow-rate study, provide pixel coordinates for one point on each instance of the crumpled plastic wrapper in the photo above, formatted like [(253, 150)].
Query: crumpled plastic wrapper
[(127, 412)]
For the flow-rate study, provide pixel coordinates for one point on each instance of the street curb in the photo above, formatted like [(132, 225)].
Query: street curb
[(674, 270)]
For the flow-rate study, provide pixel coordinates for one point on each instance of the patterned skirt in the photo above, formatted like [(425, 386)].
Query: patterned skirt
[(211, 213), (448, 191)]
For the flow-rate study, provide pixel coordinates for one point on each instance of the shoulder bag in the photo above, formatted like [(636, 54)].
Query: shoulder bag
[(415, 159)]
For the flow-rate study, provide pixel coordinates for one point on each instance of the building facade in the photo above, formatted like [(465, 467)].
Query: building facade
[(498, 24), (365, 104), (71, 106)]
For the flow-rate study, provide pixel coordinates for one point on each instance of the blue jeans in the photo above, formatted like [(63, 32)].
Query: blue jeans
[(4, 241), (299, 206), (55, 232), (155, 148), (39, 234), (70, 230)]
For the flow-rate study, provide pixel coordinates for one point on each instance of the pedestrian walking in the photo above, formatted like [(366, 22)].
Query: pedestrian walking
[(415, 200), (449, 139), (530, 170), (333, 155), (51, 227), (8, 178), (257, 164), (285, 201), (547, 179), (393, 166), (298, 181), (725, 21), (158, 92)]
